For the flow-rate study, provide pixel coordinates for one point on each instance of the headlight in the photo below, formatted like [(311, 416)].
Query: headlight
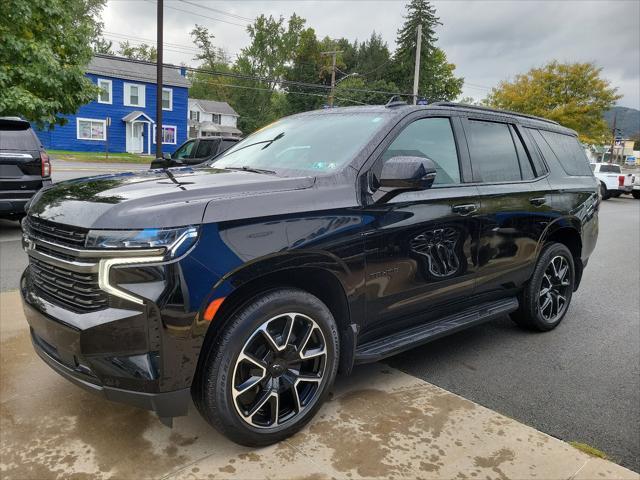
[(173, 243), (176, 240)]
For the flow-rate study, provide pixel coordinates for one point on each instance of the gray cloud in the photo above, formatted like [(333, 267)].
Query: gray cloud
[(488, 41)]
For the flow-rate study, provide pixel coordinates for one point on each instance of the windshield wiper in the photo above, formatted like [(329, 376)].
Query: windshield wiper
[(251, 169), (268, 142)]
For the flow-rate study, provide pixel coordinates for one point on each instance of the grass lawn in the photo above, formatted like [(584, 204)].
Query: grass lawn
[(99, 157)]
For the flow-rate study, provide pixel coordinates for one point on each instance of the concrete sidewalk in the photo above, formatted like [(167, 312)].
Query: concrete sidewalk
[(379, 423)]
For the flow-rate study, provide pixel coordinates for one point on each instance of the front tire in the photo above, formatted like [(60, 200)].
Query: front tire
[(271, 368), (546, 297)]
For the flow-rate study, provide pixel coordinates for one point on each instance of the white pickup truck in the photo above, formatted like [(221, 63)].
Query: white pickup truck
[(613, 182)]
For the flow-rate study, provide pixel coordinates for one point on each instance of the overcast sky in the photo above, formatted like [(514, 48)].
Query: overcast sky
[(487, 40)]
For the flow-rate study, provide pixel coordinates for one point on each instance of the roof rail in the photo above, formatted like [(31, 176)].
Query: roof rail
[(489, 109)]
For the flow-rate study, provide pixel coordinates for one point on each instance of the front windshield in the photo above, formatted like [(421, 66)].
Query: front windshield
[(320, 144)]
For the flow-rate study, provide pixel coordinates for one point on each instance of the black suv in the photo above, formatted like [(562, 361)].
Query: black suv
[(24, 166), (326, 239), (195, 151)]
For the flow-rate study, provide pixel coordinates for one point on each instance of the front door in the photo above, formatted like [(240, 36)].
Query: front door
[(421, 252), (137, 137)]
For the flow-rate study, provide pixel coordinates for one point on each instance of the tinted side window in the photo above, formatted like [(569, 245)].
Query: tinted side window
[(493, 153), (206, 148), (569, 153), (227, 144), (185, 150), (429, 138)]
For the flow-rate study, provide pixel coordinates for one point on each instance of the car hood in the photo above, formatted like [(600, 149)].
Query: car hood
[(154, 198)]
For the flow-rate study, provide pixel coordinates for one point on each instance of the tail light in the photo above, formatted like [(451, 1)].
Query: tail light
[(46, 164), (621, 181)]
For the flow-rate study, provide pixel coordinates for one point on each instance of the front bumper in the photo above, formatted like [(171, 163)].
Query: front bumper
[(116, 375)]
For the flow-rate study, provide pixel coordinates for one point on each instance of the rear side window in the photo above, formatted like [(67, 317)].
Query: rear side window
[(568, 151), (610, 169), (493, 153), (23, 139), (227, 144)]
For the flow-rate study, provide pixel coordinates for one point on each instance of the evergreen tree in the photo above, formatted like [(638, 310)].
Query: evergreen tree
[(437, 79)]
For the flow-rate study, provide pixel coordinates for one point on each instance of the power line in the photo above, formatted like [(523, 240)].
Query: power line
[(222, 12), (149, 41), (201, 15)]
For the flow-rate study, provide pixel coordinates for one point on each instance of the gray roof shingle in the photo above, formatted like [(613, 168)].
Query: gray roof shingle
[(135, 70), (211, 106)]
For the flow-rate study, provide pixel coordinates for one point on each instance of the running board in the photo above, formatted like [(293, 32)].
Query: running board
[(399, 342)]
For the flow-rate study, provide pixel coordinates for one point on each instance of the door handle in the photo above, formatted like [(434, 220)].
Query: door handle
[(539, 201), (464, 209)]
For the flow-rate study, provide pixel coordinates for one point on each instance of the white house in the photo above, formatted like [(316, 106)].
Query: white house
[(208, 118)]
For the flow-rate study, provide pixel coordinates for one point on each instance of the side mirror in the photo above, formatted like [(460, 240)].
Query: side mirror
[(405, 174), (166, 156)]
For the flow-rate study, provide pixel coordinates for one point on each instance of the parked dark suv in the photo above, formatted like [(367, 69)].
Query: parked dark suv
[(24, 166), (326, 239), (195, 151)]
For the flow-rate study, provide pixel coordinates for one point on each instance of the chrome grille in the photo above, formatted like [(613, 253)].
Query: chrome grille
[(56, 233), (73, 290)]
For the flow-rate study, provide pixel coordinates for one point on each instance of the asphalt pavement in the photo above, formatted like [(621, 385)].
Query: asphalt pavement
[(579, 382)]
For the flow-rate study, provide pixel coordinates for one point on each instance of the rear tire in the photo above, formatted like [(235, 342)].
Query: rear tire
[(545, 299), (604, 193), (270, 369), (636, 194)]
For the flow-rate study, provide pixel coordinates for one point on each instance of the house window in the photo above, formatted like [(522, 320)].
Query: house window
[(169, 134), (134, 95), (90, 129), (215, 118), (167, 99), (105, 87), (194, 115)]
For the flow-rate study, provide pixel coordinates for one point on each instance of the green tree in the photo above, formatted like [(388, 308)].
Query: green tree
[(573, 94), (350, 92), (205, 84), (306, 67), (45, 46), (143, 51), (437, 79), (373, 58), (103, 46), (273, 43)]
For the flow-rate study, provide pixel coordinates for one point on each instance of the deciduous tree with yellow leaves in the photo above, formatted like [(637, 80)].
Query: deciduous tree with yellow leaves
[(573, 94)]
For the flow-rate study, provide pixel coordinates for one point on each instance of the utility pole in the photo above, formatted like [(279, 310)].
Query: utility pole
[(416, 73), (613, 136), (333, 54), (160, 32)]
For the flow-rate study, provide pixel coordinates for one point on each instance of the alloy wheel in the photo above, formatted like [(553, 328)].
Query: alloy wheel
[(279, 370), (554, 289)]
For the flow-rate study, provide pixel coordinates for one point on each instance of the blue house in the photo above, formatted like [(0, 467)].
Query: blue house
[(123, 115)]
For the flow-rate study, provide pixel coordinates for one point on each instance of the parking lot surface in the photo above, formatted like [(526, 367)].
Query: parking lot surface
[(579, 382)]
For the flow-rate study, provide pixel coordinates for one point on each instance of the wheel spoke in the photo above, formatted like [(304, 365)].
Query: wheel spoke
[(247, 385), (316, 352), (546, 304), (309, 378), (273, 345)]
